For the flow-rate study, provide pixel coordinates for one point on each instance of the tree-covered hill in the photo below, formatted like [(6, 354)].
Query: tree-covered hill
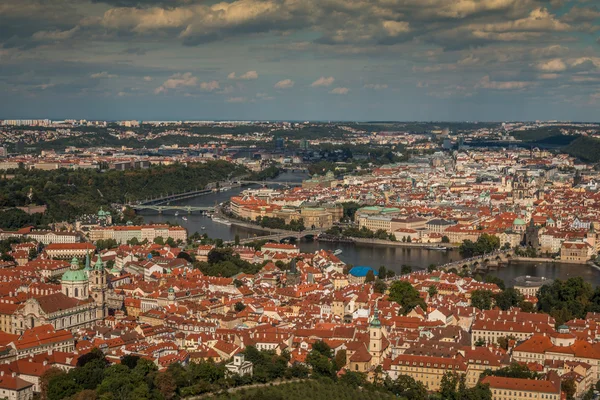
[(586, 148), (68, 193)]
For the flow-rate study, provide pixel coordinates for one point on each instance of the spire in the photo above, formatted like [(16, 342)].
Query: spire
[(375, 322), (99, 266), (87, 261), (74, 264)]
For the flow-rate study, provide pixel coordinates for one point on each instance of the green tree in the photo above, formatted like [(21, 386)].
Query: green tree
[(239, 306), (432, 291), (370, 277), (165, 383), (236, 240), (508, 298), (403, 293), (405, 269), (481, 299), (406, 387), (379, 286)]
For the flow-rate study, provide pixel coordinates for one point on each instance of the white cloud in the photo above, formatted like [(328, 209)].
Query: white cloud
[(339, 90), (148, 78), (487, 83), (103, 75), (57, 35), (322, 81), (177, 81), (376, 86), (209, 86), (236, 100), (285, 84), (395, 28), (556, 65), (250, 75), (549, 76)]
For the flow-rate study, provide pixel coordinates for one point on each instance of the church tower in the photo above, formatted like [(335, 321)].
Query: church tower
[(98, 288), (376, 337)]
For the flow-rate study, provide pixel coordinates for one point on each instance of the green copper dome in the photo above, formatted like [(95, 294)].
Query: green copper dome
[(519, 221), (375, 322), (99, 266), (74, 276)]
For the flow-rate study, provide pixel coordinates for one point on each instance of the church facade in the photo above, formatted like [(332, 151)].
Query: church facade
[(81, 302)]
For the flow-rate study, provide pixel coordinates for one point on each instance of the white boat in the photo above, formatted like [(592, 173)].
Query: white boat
[(176, 213), (439, 248), (221, 221), (337, 252), (184, 218), (203, 227)]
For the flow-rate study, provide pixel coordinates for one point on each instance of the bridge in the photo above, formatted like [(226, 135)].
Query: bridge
[(169, 197), (281, 235), (270, 183), (479, 262), (161, 208)]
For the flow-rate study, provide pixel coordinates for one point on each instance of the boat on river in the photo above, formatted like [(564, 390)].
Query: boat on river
[(438, 248)]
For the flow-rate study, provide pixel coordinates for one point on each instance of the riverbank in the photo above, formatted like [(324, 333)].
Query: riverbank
[(546, 260), (380, 242)]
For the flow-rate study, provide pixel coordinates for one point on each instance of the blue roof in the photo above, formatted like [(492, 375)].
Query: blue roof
[(362, 271)]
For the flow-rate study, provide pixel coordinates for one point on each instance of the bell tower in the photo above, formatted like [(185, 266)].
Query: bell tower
[(98, 288), (375, 337)]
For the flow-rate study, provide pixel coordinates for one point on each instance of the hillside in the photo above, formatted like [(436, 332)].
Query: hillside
[(311, 389), (585, 148)]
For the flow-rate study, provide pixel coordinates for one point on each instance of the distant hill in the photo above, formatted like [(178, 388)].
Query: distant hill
[(585, 148)]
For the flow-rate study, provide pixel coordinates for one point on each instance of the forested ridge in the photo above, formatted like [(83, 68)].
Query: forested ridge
[(69, 193)]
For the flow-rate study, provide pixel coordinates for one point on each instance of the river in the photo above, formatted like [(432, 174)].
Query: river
[(361, 254)]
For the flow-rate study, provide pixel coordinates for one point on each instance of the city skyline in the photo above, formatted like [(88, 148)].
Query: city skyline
[(487, 60)]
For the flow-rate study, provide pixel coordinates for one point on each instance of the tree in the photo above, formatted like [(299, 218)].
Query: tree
[(186, 257), (130, 361), (514, 370), (165, 384), (481, 299), (494, 279), (61, 386), (236, 240), (340, 358), (45, 379), (445, 239), (370, 277), (432, 291), (239, 306), (354, 379), (508, 298), (159, 240), (406, 295), (406, 387), (484, 244), (32, 253), (448, 386), (405, 269), (382, 273), (431, 268), (322, 348), (94, 354), (379, 286), (565, 300)]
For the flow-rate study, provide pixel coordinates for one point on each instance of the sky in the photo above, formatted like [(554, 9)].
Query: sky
[(357, 60)]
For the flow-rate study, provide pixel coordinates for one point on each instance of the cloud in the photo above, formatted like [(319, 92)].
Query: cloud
[(55, 35), (236, 100), (103, 75), (395, 28), (339, 90), (285, 84), (487, 83), (322, 81), (148, 79), (177, 81), (376, 86), (556, 65), (209, 86), (250, 75)]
